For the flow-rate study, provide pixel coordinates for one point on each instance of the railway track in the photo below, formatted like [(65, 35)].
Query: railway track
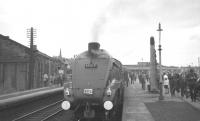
[(52, 115), (62, 115), (42, 114)]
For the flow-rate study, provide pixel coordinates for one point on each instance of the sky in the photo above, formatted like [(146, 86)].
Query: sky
[(122, 27)]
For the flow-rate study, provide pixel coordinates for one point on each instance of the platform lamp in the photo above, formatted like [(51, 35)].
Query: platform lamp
[(161, 97)]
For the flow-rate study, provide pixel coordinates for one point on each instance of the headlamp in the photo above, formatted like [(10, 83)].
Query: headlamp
[(108, 105)]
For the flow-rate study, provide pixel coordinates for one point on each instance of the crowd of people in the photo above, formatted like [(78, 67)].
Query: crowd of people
[(187, 83), (143, 78), (129, 77), (55, 79)]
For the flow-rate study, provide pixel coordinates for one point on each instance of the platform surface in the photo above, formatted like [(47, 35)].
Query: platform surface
[(134, 108), (15, 98), (20, 93)]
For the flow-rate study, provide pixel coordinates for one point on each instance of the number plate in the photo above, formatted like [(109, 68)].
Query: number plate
[(88, 91)]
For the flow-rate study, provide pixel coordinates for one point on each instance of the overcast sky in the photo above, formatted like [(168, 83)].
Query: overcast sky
[(122, 27)]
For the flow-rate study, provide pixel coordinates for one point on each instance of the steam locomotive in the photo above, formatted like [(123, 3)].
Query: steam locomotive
[(97, 85)]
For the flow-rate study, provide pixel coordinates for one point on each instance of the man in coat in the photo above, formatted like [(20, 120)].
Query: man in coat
[(191, 79)]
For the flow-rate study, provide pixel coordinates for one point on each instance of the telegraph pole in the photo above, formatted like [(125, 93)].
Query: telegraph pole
[(160, 64), (31, 34)]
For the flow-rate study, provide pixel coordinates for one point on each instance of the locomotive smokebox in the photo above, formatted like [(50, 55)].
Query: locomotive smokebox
[(93, 46)]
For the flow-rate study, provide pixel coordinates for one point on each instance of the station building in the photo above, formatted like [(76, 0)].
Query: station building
[(15, 66), (145, 68)]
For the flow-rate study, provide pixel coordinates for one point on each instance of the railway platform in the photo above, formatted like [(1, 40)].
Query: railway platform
[(188, 100), (20, 93), (140, 105), (13, 99), (134, 108)]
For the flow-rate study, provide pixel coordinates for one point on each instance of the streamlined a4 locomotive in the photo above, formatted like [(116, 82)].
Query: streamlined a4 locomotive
[(97, 84)]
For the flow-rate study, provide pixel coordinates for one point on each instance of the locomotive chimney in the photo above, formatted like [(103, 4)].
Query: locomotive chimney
[(93, 46)]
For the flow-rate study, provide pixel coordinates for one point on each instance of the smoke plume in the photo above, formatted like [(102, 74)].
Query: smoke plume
[(103, 19), (98, 27)]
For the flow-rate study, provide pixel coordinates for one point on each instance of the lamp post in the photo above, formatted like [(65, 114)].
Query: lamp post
[(159, 49)]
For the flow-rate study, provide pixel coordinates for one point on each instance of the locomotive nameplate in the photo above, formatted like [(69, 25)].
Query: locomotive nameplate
[(91, 66), (88, 91)]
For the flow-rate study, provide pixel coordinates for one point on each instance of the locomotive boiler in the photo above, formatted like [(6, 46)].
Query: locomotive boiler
[(97, 85)]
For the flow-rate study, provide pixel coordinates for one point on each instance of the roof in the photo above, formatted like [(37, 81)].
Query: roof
[(18, 44), (8, 38)]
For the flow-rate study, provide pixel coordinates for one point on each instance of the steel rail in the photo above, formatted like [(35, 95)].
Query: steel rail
[(36, 111), (52, 115)]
